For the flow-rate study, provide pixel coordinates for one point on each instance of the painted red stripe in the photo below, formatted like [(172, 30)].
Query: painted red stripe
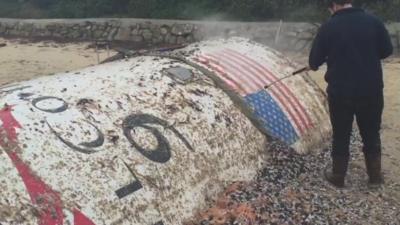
[(280, 83), (217, 68), (300, 107), (242, 73), (262, 69), (261, 80), (282, 98), (47, 201), (222, 74), (229, 71), (215, 65), (81, 219), (287, 102), (10, 124), (275, 93)]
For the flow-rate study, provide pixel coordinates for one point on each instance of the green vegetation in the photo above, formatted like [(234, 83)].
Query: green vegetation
[(247, 10)]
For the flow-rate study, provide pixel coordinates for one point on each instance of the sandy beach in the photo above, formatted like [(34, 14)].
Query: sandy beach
[(22, 60)]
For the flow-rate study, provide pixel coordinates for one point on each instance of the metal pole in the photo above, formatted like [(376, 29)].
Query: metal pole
[(97, 53), (108, 49), (278, 32)]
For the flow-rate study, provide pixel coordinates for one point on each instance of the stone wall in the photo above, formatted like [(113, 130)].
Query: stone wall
[(284, 36)]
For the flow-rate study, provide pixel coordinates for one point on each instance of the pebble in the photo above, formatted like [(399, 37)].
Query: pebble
[(292, 190)]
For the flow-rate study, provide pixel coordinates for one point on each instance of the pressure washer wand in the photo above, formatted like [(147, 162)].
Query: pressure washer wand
[(304, 69), (299, 71)]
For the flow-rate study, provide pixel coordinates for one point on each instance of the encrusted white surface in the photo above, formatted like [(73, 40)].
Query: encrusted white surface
[(226, 146), (222, 144)]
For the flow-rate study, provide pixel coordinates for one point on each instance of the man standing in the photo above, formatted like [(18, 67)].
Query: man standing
[(352, 43)]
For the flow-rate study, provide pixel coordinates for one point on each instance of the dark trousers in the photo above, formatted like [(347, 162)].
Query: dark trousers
[(368, 114)]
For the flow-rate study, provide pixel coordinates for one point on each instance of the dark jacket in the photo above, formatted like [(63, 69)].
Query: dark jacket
[(352, 43)]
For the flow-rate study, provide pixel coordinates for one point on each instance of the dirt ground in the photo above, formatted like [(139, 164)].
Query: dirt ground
[(21, 60)]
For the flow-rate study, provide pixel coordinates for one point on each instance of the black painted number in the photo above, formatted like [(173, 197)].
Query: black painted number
[(162, 153), (84, 147), (59, 109), (130, 188)]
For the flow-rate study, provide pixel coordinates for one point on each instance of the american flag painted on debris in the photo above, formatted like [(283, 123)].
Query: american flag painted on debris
[(279, 109)]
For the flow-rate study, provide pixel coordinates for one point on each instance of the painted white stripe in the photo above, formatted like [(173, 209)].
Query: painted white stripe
[(295, 106), (275, 91)]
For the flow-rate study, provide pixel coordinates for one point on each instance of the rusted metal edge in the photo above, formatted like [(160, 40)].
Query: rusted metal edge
[(126, 53)]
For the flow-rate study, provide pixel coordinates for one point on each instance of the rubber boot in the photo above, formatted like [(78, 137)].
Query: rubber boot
[(336, 175), (374, 167)]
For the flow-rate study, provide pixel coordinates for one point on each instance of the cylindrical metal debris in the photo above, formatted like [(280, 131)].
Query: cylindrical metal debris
[(149, 139), (293, 110)]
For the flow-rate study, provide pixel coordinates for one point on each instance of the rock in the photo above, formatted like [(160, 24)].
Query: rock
[(105, 34), (137, 38), (2, 29), (158, 39), (43, 33), (51, 27), (75, 27), (114, 23), (75, 34), (145, 25), (100, 27), (135, 31), (63, 31), (199, 33), (147, 34), (13, 32), (157, 36), (124, 34), (190, 39), (27, 27), (306, 34), (182, 29), (164, 30), (108, 29), (113, 32), (291, 33), (170, 39), (57, 35), (180, 40), (97, 34), (46, 33), (88, 25)]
